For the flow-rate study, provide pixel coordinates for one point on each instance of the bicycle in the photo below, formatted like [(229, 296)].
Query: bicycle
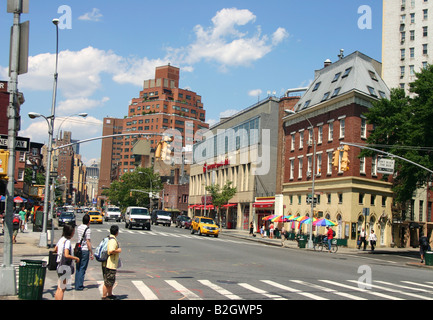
[(323, 243)]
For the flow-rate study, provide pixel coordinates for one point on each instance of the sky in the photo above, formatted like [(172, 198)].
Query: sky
[(232, 53)]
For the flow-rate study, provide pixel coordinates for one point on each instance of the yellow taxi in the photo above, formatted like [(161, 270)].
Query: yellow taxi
[(204, 225), (95, 217)]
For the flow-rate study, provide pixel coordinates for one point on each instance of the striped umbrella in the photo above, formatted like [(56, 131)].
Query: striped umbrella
[(324, 223)]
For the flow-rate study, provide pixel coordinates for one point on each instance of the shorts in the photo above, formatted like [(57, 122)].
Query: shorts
[(109, 276)]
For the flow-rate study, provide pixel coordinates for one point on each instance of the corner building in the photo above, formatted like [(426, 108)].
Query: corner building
[(335, 103)]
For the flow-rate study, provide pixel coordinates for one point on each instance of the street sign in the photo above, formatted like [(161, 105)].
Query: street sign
[(21, 144), (385, 166)]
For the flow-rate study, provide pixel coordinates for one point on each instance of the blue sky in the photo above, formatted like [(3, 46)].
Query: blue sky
[(230, 52)]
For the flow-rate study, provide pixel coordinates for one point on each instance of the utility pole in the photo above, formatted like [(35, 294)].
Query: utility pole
[(18, 65)]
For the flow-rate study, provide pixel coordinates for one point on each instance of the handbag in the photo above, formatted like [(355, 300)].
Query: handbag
[(52, 261), (65, 262), (78, 248)]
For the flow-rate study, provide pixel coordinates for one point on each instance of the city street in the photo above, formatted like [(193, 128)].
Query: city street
[(168, 263)]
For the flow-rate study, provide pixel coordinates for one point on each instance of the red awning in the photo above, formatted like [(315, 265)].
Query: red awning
[(229, 205), (263, 204)]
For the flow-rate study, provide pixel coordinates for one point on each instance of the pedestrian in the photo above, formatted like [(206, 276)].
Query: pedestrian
[(84, 235), (65, 267), (22, 214), (372, 239), (424, 246), (262, 230), (283, 236), (271, 231), (329, 237), (251, 229), (16, 225), (362, 239), (109, 267)]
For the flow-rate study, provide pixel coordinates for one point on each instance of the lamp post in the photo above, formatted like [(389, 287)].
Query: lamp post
[(81, 114), (313, 172)]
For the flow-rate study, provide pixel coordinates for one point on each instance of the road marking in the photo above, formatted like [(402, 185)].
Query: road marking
[(418, 284), (262, 292), (404, 287), (145, 291), (316, 286), (361, 290), (283, 287), (393, 290), (182, 290), (220, 290)]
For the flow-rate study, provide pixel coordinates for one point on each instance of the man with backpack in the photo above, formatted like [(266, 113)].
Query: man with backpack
[(329, 236), (16, 225), (109, 267)]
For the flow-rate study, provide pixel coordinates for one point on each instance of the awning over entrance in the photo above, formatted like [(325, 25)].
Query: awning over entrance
[(228, 205), (263, 204)]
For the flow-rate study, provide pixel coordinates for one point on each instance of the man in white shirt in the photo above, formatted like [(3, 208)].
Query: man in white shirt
[(87, 252)]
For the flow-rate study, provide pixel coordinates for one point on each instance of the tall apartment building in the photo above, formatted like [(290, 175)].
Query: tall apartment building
[(407, 45), (161, 105)]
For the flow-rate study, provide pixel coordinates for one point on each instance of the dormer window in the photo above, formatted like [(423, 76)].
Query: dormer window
[(326, 96), (317, 86), (336, 77), (373, 75), (372, 91), (346, 72)]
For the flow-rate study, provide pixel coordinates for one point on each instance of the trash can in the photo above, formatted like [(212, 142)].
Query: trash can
[(31, 279), (302, 242), (429, 258)]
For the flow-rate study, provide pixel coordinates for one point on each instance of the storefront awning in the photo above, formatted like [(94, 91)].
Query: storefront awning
[(263, 204), (228, 205)]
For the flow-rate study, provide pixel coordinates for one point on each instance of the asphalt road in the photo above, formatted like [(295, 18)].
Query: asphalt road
[(168, 263)]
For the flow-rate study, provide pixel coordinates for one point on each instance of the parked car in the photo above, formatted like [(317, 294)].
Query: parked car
[(182, 220), (113, 213), (161, 217), (204, 225), (95, 217), (137, 217), (67, 217)]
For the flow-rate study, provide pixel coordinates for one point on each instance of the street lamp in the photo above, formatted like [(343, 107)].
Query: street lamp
[(81, 114), (310, 241)]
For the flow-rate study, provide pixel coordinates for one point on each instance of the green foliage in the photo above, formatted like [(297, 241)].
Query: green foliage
[(141, 179), (404, 125), (220, 196)]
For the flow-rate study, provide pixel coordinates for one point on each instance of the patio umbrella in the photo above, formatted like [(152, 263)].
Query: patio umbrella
[(19, 200), (300, 218), (2, 198), (281, 218), (269, 217), (324, 223), (308, 220)]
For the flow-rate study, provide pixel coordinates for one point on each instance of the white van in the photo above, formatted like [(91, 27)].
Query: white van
[(137, 217)]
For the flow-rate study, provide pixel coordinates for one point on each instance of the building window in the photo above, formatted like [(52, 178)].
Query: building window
[(329, 167), (372, 91), (292, 169), (373, 75), (362, 165), (402, 71), (326, 96), (340, 198), (424, 31), (317, 86), (319, 164), (363, 128), (336, 92), (347, 72), (330, 131), (300, 162), (402, 54), (425, 14), (412, 35), (361, 198), (336, 77), (374, 165), (342, 128), (301, 139), (292, 142), (372, 200), (425, 49), (320, 134)]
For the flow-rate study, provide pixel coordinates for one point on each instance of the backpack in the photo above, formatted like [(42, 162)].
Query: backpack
[(16, 220), (424, 242), (333, 233), (101, 252)]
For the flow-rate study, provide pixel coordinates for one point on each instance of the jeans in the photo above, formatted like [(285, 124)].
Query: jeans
[(329, 244), (81, 270)]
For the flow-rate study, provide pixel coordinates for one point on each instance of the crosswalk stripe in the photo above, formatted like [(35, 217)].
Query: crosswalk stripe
[(145, 291), (393, 290), (404, 287), (220, 290), (289, 289), (184, 291), (316, 286), (418, 284), (262, 292), (361, 290)]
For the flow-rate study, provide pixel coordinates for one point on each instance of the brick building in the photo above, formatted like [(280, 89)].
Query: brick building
[(335, 104), (161, 106)]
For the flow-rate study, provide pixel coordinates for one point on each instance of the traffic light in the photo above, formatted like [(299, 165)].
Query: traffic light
[(336, 158), (4, 158), (345, 159), (163, 149)]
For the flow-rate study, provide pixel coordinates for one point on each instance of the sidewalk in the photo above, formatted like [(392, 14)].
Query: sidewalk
[(292, 244)]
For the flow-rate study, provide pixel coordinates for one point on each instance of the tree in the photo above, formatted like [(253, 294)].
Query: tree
[(221, 197), (142, 179), (402, 126)]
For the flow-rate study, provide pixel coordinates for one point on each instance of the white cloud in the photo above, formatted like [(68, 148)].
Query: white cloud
[(224, 43), (255, 92), (71, 106), (95, 15)]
